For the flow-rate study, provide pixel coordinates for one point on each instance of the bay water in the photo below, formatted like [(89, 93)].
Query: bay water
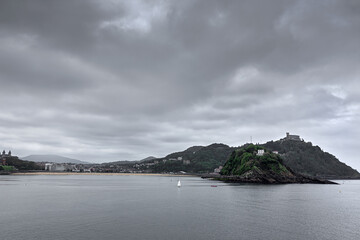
[(153, 207)]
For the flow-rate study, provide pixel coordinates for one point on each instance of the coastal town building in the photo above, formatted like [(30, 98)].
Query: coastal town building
[(53, 167), (61, 167), (218, 170), (48, 166), (186, 162), (4, 156)]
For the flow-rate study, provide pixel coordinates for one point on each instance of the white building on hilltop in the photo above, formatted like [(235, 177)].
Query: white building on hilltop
[(260, 152)]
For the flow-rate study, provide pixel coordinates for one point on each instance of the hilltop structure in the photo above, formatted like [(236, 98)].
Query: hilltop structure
[(4, 156), (292, 137)]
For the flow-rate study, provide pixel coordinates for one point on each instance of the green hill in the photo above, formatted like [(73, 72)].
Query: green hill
[(20, 164), (246, 159), (248, 164), (304, 158), (201, 159)]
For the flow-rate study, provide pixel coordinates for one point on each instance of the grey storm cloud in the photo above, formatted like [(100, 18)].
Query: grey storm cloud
[(121, 80)]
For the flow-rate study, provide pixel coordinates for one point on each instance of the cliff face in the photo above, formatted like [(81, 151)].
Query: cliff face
[(304, 158), (248, 164)]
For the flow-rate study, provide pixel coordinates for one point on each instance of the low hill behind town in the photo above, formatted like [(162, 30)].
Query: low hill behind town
[(196, 159)]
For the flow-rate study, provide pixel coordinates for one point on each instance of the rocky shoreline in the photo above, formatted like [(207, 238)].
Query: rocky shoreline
[(268, 179)]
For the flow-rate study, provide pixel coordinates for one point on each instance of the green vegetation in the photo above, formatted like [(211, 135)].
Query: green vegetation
[(245, 159), (202, 159), (304, 158), (255, 164), (301, 157), (7, 168), (15, 162)]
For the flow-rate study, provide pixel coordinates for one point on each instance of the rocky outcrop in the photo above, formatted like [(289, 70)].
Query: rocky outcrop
[(271, 179)]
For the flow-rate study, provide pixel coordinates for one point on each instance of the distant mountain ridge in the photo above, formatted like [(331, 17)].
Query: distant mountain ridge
[(125, 162), (148, 158), (52, 158)]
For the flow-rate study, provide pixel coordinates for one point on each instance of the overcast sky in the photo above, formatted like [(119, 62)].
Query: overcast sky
[(121, 80)]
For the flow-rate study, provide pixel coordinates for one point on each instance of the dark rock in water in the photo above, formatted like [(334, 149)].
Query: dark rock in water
[(271, 179), (255, 164)]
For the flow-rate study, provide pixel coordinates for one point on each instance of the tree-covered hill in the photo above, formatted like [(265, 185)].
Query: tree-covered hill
[(304, 158), (255, 164), (246, 159), (21, 165), (201, 159)]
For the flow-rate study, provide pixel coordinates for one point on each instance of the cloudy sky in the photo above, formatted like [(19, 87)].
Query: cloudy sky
[(122, 80)]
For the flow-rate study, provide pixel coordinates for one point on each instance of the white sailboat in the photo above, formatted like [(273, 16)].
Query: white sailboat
[(179, 183)]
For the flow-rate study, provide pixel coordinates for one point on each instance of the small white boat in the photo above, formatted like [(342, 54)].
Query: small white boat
[(179, 183)]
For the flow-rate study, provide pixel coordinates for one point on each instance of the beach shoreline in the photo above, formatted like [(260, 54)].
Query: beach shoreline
[(103, 174)]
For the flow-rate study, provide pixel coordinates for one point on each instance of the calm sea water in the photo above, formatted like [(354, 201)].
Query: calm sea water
[(152, 207)]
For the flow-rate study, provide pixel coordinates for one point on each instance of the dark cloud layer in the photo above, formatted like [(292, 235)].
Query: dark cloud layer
[(121, 80)]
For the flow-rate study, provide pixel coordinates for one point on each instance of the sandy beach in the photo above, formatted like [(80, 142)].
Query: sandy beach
[(95, 173)]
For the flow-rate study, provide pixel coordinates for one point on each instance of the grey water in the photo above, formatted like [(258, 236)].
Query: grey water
[(153, 207)]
